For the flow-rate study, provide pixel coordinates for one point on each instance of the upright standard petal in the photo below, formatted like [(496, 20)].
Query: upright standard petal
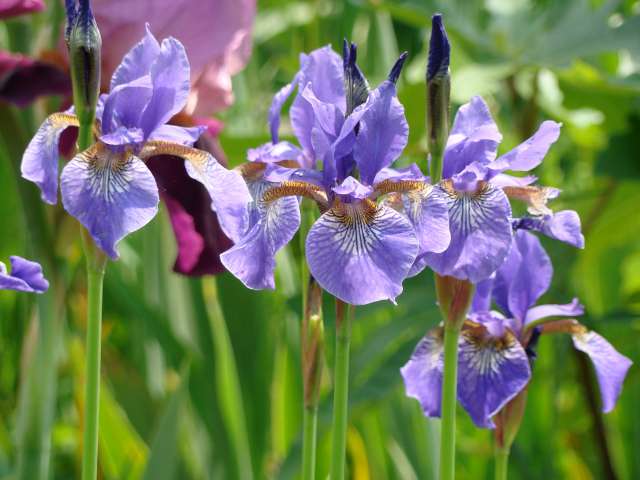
[(272, 224), (524, 276), (111, 194), (137, 61), (473, 138), (25, 276), (492, 370), (480, 224), (170, 82), (276, 107), (383, 133), (422, 374), (40, 159), (361, 253), (611, 367)]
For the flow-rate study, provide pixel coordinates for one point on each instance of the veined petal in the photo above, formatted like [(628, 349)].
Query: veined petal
[(25, 276), (361, 253), (111, 194), (383, 132), (480, 225), (611, 366), (137, 62), (573, 309), (427, 208), (530, 153), (230, 197), (473, 138), (422, 374), (170, 82), (40, 159), (492, 370), (272, 224)]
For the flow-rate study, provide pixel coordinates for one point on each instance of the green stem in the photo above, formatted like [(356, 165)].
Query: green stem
[(502, 463), (341, 390), (310, 430), (449, 394), (95, 277)]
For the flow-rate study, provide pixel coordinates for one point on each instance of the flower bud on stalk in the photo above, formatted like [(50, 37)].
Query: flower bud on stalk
[(312, 344), (508, 422), (438, 90), (454, 299), (84, 44)]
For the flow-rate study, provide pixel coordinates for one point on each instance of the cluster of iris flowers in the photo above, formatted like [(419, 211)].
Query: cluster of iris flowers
[(377, 224)]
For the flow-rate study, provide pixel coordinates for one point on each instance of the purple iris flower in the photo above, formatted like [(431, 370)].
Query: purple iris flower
[(108, 187), (360, 249), (478, 193), (496, 349), (25, 276)]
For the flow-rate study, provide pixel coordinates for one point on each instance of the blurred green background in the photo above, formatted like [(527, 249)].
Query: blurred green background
[(190, 392)]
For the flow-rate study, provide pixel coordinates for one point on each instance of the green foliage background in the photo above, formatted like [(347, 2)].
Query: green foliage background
[(190, 392)]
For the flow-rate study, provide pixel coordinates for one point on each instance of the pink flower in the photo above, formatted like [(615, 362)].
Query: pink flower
[(11, 8), (215, 33)]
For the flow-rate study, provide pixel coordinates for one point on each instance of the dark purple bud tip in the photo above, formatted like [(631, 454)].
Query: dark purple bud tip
[(394, 74), (355, 83), (72, 11), (439, 48)]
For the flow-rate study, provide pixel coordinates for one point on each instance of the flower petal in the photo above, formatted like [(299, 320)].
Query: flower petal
[(122, 110), (275, 152), (276, 107), (611, 366), (199, 237), (176, 134), (530, 153), (137, 61), (170, 81), (361, 253), (492, 370), (473, 138), (383, 134), (573, 309), (523, 277), (412, 172), (26, 276), (480, 224), (422, 374), (482, 296), (564, 226), (40, 159), (353, 189), (110, 194), (272, 224), (427, 208)]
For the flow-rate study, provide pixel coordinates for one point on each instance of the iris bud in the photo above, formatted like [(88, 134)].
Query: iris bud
[(355, 83), (312, 344), (438, 91), (84, 44)]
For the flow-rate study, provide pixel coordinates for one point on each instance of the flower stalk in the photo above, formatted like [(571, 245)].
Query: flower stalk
[(507, 422), (454, 299), (341, 390)]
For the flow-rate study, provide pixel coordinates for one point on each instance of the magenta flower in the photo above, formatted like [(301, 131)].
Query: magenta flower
[(12, 8), (25, 276), (360, 250), (108, 187), (497, 349)]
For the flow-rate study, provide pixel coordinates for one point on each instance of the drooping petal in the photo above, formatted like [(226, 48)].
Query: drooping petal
[(473, 138), (422, 374), (611, 366), (383, 134), (111, 194), (564, 226), (530, 153), (25, 276), (170, 82), (427, 208), (524, 276), (199, 237), (573, 309), (176, 134), (492, 370), (272, 224), (40, 159), (480, 225), (137, 62), (361, 253)]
